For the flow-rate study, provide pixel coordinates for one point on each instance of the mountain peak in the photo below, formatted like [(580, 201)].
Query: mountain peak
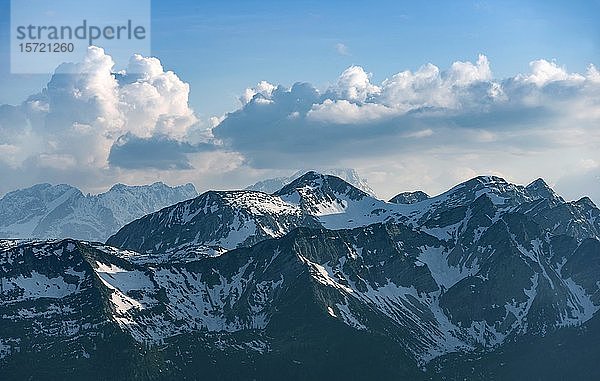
[(349, 175), (586, 201), (489, 180), (321, 195), (158, 186), (118, 187), (409, 197), (539, 182), (328, 184), (481, 183), (310, 178), (189, 187), (500, 191), (540, 189), (43, 193)]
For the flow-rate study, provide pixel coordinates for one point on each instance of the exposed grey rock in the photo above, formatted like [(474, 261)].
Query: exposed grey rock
[(409, 197)]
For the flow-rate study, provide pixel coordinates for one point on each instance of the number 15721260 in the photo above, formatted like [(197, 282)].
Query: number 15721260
[(46, 47)]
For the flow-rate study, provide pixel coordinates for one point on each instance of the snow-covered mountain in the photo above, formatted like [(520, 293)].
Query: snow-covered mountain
[(318, 279), (59, 211), (347, 174), (211, 219), (214, 222), (220, 221)]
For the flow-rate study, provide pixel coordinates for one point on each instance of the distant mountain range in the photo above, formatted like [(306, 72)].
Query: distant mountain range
[(489, 280), (46, 211), (60, 211)]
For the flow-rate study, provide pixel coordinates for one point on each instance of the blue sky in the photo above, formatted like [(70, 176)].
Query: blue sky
[(415, 95), (222, 47), (225, 46)]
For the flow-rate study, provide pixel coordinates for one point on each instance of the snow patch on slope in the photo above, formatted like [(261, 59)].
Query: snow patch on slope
[(444, 274)]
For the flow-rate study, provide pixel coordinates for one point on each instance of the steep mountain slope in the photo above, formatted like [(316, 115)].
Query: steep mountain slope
[(320, 279), (481, 230), (218, 221), (78, 300), (47, 211), (386, 283), (56, 321), (567, 354), (211, 223)]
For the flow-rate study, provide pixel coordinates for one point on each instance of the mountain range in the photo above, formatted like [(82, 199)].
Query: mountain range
[(46, 211), (319, 279)]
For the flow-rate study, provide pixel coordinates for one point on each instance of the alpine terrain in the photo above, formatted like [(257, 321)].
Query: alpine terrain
[(317, 280), (57, 211)]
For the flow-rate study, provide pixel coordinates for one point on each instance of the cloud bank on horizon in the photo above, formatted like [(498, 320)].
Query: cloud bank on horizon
[(425, 129)]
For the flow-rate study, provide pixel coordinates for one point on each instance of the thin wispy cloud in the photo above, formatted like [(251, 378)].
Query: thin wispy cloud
[(342, 49)]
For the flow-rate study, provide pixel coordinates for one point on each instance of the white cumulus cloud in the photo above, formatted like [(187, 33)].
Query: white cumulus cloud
[(454, 122), (263, 88), (86, 107), (431, 126), (544, 72)]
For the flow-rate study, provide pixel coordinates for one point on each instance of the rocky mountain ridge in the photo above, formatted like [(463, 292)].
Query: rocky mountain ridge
[(46, 211), (318, 278)]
